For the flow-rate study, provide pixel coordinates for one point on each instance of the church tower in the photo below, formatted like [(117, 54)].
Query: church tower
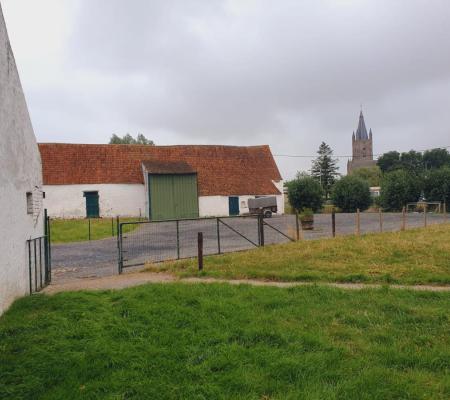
[(362, 147)]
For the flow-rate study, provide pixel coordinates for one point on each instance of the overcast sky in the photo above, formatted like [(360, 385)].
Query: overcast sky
[(285, 73)]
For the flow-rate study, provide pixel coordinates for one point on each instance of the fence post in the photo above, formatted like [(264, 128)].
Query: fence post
[(358, 222), (89, 228), (261, 230), (333, 222), (112, 226), (178, 239), (297, 226), (200, 251), (29, 266), (119, 245), (381, 220), (403, 219), (40, 262), (35, 266), (49, 239), (46, 246), (218, 235), (425, 222), (445, 212)]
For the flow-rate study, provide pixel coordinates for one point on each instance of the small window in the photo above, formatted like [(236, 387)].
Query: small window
[(29, 203)]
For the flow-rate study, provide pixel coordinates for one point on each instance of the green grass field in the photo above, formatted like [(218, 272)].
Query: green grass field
[(77, 230), (417, 256), (181, 341)]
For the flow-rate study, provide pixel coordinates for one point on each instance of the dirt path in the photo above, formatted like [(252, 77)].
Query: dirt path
[(142, 278)]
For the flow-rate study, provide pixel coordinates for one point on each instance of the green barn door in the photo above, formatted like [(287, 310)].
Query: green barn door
[(92, 204), (173, 196)]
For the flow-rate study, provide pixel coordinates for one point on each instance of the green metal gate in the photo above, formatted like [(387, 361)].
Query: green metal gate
[(173, 197)]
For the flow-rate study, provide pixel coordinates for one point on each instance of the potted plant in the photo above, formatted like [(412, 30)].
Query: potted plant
[(307, 219)]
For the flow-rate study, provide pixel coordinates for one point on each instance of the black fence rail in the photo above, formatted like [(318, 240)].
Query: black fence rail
[(39, 267), (158, 241)]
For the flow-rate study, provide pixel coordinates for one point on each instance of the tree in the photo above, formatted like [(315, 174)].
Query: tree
[(436, 185), (128, 139), (436, 158), (399, 188), (351, 193), (372, 175), (389, 161), (324, 168), (412, 161), (305, 193)]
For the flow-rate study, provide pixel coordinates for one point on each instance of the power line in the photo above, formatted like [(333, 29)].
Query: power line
[(338, 156)]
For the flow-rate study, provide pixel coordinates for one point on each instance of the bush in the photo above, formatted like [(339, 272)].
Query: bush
[(398, 188), (305, 193), (351, 193), (437, 185)]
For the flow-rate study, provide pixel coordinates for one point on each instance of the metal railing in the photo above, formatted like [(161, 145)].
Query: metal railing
[(39, 266)]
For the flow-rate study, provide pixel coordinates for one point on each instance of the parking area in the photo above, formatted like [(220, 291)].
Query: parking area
[(155, 242)]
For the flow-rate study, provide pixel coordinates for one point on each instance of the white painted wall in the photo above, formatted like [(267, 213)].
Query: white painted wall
[(67, 201), (20, 172)]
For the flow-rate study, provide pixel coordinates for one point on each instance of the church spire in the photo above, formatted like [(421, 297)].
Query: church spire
[(361, 132)]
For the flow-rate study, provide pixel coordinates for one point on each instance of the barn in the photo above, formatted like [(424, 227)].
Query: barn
[(157, 182), (21, 213)]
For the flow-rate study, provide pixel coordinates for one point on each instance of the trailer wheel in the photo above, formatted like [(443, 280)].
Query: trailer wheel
[(267, 214)]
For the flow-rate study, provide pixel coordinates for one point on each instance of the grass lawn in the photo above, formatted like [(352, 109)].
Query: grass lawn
[(77, 230), (418, 256), (180, 341)]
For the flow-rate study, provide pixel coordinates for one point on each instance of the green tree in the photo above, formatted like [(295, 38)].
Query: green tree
[(372, 175), (389, 161), (324, 168), (412, 161), (128, 139), (351, 193), (398, 188), (436, 158), (304, 193), (436, 185)]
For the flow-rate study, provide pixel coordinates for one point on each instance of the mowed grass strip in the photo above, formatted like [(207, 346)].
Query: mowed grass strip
[(417, 256), (180, 341), (77, 230)]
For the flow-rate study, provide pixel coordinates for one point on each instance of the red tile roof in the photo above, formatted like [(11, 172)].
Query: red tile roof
[(221, 170)]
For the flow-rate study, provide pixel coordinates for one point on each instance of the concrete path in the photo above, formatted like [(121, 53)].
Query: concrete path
[(142, 278)]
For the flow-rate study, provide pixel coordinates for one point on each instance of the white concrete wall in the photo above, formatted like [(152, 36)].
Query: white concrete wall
[(67, 201), (218, 206), (20, 172)]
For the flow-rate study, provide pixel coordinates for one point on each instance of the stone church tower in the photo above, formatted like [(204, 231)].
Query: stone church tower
[(362, 146)]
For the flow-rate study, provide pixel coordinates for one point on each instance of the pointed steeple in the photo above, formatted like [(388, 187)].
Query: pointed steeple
[(361, 132)]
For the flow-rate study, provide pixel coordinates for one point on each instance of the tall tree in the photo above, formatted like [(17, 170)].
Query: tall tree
[(436, 158), (128, 139), (372, 175), (389, 161), (412, 161), (324, 168)]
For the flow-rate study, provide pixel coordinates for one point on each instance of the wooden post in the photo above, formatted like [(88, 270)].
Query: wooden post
[(358, 222), (403, 219), (333, 222), (445, 212), (200, 251), (381, 220), (425, 222), (297, 226)]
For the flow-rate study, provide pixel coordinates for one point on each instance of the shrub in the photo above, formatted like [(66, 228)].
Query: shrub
[(398, 188), (305, 193), (351, 193)]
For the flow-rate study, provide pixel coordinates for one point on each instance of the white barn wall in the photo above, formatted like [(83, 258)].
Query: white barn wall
[(67, 201), (20, 172)]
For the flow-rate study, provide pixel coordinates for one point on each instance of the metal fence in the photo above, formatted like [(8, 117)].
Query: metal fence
[(144, 242), (39, 267)]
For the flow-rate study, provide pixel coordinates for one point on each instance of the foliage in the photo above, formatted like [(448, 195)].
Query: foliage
[(389, 161), (306, 214), (128, 139), (305, 193), (178, 341), (437, 185), (372, 175), (351, 193), (399, 188), (324, 168), (412, 161), (416, 256), (436, 158)]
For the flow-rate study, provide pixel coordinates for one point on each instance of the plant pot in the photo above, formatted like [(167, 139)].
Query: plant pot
[(307, 223)]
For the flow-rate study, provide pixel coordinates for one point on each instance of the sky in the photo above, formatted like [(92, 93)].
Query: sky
[(290, 74)]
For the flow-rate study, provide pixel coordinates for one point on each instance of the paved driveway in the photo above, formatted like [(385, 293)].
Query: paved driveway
[(154, 242)]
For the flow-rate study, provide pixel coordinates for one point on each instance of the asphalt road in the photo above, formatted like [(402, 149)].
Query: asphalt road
[(155, 242)]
